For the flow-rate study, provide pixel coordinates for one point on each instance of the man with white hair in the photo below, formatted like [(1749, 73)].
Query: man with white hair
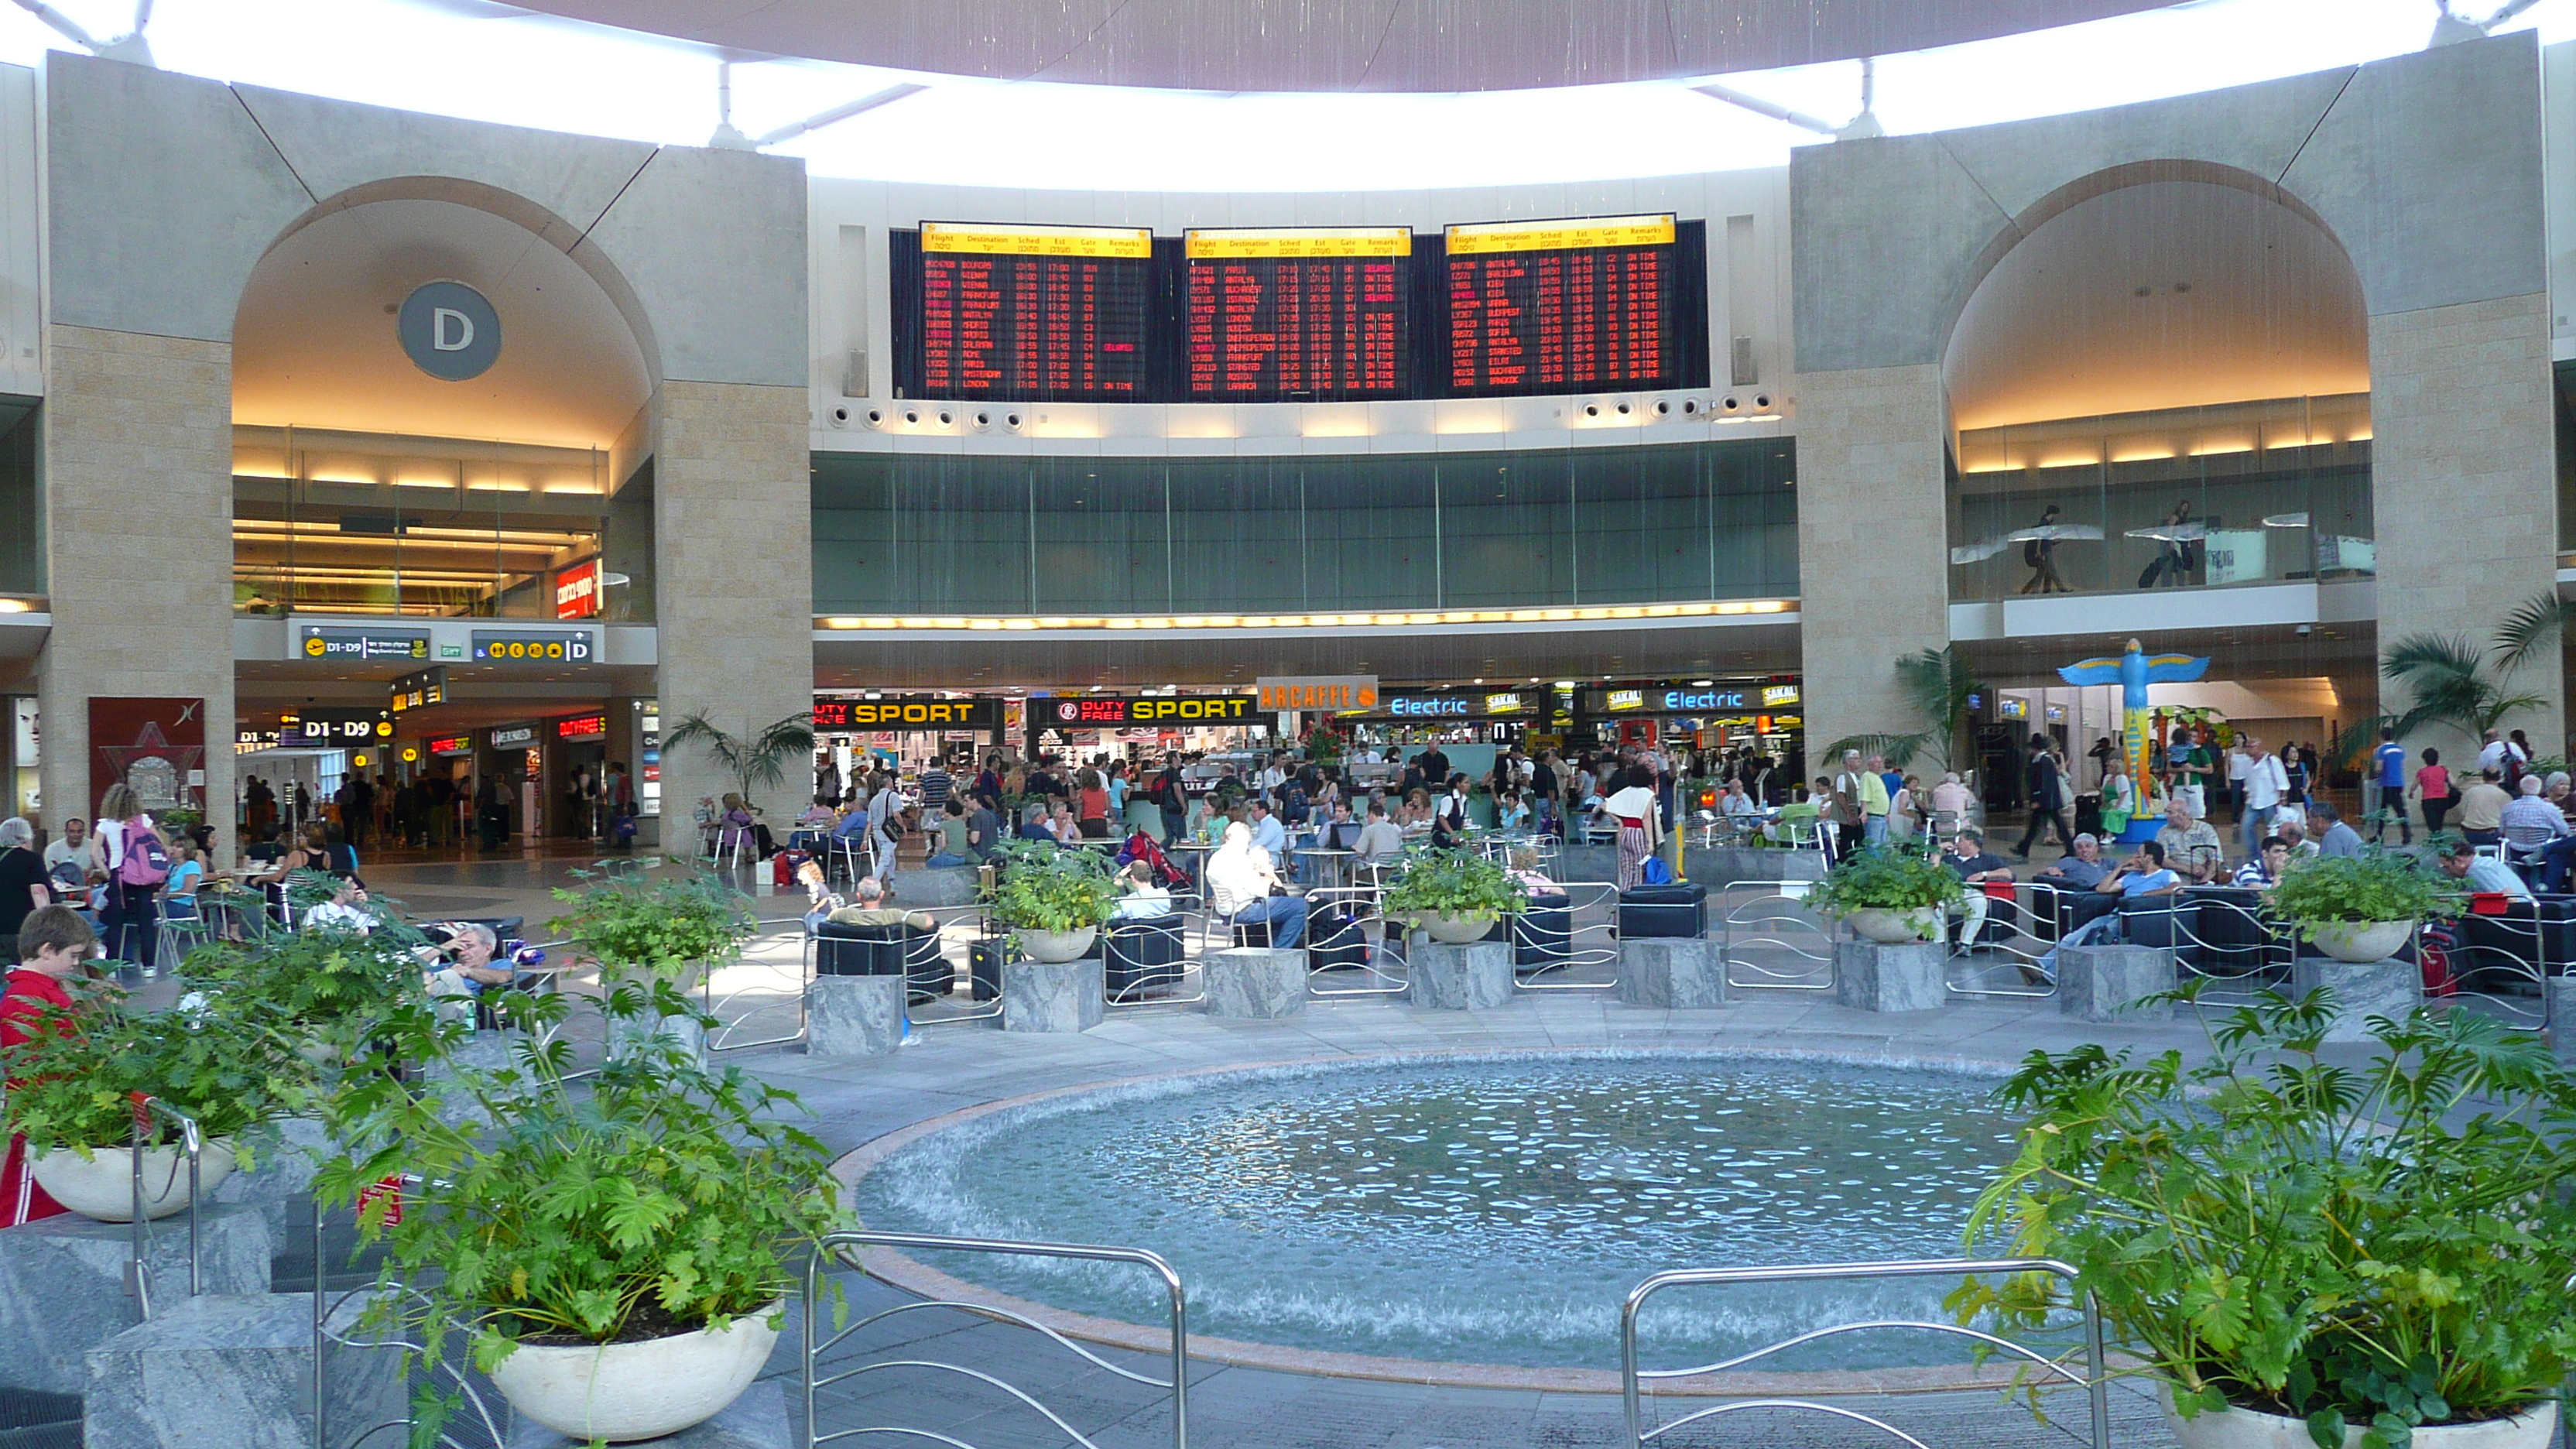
[(1861, 786), (1953, 798), (2531, 823)]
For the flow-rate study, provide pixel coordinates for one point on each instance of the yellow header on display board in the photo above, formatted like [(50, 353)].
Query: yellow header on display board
[(1299, 242), (1038, 241), (1561, 235)]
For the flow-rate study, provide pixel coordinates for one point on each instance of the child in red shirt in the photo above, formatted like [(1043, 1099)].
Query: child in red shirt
[(54, 946)]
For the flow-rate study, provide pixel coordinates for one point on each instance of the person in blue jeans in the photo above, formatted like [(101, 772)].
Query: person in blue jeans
[(2388, 777), (2142, 874), (1240, 880)]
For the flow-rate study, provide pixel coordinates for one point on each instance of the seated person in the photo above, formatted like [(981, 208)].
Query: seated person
[(2336, 839), (818, 816), (1240, 880), (2190, 847), (2484, 875), (2263, 871), (1736, 802), (1268, 833), (1526, 874), (1143, 899), (2081, 870), (459, 959), (852, 827), (2531, 824), (1511, 814), (820, 902), (1953, 798), (950, 846), (869, 909), (1033, 824), (1974, 865), (1381, 840), (187, 874), (2294, 833), (2482, 808), (2142, 874), (345, 911)]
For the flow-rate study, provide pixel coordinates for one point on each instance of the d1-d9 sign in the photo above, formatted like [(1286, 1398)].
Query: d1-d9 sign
[(498, 646)]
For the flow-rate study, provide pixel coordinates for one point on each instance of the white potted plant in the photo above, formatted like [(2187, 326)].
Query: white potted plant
[(1053, 899), (81, 1076), (2306, 1255), (1887, 896), (2361, 908), (617, 1255), (1454, 896)]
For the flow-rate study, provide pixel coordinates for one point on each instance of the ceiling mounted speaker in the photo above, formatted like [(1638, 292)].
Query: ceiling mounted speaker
[(1730, 404), (912, 417), (874, 418), (1011, 421), (839, 417), (983, 421)]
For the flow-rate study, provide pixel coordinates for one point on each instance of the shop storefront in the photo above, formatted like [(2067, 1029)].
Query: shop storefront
[(1709, 716), (1085, 727), (901, 732)]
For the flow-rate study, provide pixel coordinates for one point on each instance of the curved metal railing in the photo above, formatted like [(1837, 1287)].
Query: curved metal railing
[(1633, 1380), (1769, 940), (812, 1379)]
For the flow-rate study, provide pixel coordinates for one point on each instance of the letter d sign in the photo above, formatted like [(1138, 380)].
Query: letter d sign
[(449, 331)]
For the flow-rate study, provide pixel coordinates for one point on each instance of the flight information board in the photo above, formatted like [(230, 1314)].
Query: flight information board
[(1297, 313), (1036, 313), (1563, 306)]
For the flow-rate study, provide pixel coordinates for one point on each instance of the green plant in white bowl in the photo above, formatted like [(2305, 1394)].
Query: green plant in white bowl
[(1055, 899), (1887, 896), (1455, 895), (2361, 908)]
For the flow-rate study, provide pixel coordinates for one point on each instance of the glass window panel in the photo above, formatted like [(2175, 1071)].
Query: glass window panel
[(1238, 535), (854, 527), (1372, 531), (1506, 526), (1641, 520), (1102, 547), (22, 504)]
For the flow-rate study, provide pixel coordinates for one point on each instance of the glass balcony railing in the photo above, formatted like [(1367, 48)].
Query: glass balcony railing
[(2184, 498)]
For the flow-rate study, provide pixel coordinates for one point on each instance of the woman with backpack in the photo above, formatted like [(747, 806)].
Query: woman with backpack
[(138, 861)]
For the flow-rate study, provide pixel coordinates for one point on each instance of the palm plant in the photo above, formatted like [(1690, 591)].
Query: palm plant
[(756, 763), (2536, 623), (1939, 687), (2449, 680)]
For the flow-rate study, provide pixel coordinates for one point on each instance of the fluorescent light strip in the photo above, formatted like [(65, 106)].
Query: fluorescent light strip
[(1696, 608)]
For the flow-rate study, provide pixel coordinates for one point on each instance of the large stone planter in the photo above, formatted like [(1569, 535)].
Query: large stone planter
[(1675, 972), (1890, 927), (236, 1372), (2107, 983), (854, 1016), (102, 1187), (1055, 946), (2536, 1428), (626, 1391), (1255, 983), (1460, 978), (1054, 995), (2381, 988), (63, 1291), (2361, 942), (1872, 977)]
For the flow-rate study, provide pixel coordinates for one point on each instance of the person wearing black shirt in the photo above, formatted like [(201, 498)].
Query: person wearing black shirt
[(2047, 798), (22, 870), (1974, 865), (1434, 765)]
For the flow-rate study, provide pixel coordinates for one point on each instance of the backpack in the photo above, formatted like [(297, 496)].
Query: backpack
[(1658, 871), (146, 863), (2030, 553)]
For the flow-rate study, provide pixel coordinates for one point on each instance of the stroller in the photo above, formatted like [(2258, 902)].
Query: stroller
[(1141, 846)]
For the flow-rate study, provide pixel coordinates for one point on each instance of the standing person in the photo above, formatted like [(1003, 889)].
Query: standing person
[(137, 861), (2238, 761), (54, 946), (504, 796), (2267, 783), (2385, 788), (303, 805), (2039, 554), (2173, 561), (1091, 805), (1170, 800), (1640, 830), (617, 797), (1858, 785), (357, 807), (2102, 753), (2432, 791), (935, 785), (2047, 798)]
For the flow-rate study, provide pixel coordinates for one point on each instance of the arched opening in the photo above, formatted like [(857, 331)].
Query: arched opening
[(368, 484), (2160, 380), (438, 396)]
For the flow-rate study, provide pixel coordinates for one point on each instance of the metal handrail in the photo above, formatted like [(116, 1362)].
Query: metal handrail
[(708, 1003), (1606, 893), (832, 1245), (1794, 913), (1361, 902), (2034, 901), (138, 1271), (2096, 1381)]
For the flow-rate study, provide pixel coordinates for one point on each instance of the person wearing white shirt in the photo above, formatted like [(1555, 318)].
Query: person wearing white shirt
[(1239, 881), (1736, 802), (2240, 759), (2265, 783), (344, 911), (2491, 756)]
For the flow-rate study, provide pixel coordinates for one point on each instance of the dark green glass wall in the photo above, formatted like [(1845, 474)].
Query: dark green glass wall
[(944, 533), (22, 499)]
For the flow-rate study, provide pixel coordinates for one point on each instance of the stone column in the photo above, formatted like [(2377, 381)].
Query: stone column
[(1873, 544), (733, 510), (138, 466), (2464, 489)]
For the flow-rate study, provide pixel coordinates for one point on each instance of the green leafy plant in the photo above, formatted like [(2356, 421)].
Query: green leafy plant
[(2372, 886), (1446, 881), (1938, 685), (1879, 879), (651, 1198), (640, 928), (328, 987), (2380, 1247), (754, 762), (222, 1062), (1044, 887), (2448, 681)]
